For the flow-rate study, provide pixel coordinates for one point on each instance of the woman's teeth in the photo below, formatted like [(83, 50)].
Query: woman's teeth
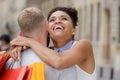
[(58, 27)]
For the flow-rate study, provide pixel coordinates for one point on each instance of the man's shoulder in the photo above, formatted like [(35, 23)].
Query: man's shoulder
[(29, 57), (28, 52)]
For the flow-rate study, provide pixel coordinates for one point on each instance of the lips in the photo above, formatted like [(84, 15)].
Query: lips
[(58, 28)]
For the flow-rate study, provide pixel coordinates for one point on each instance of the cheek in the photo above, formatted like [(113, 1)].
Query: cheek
[(49, 26), (49, 29), (69, 27), (70, 30)]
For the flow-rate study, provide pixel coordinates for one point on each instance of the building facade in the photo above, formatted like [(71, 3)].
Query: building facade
[(9, 10), (99, 22)]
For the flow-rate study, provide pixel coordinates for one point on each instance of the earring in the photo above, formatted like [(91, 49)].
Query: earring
[(73, 33)]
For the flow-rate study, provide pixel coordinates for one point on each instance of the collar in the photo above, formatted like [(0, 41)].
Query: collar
[(67, 46)]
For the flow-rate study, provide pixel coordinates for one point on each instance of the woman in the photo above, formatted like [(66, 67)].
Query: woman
[(61, 27)]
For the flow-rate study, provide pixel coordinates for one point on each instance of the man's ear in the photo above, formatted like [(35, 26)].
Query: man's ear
[(20, 33)]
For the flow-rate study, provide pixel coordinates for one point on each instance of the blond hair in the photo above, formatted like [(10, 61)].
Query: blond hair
[(30, 19)]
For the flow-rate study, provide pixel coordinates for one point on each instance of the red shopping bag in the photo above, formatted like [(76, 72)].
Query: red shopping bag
[(3, 59), (22, 73)]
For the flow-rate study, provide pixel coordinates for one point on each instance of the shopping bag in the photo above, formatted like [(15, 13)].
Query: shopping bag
[(38, 71), (21, 73), (3, 59)]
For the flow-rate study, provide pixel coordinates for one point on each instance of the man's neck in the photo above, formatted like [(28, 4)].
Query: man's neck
[(42, 40), (39, 38)]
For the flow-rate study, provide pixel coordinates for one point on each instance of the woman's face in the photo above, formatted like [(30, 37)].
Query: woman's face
[(60, 26)]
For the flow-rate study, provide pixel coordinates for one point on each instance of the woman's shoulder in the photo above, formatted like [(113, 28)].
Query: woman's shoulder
[(84, 46), (84, 42)]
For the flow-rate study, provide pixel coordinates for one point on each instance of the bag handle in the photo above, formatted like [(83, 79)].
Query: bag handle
[(11, 63)]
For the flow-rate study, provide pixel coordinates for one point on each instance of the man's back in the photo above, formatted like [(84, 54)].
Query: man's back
[(28, 57)]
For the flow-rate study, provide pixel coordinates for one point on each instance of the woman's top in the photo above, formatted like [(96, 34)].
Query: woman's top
[(71, 73)]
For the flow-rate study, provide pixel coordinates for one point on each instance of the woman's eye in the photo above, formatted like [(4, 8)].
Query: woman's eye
[(64, 18), (51, 20)]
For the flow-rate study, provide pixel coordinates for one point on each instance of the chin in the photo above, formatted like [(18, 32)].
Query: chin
[(57, 37)]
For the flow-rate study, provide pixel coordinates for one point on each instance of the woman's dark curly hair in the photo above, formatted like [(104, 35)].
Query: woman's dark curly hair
[(72, 12)]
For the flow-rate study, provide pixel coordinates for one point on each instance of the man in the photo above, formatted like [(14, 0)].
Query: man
[(33, 25)]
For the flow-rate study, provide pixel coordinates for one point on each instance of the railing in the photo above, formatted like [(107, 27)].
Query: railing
[(107, 73)]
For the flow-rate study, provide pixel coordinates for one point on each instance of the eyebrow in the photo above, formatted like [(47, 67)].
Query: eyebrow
[(60, 16)]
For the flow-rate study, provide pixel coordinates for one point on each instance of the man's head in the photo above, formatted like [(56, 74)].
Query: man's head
[(31, 21)]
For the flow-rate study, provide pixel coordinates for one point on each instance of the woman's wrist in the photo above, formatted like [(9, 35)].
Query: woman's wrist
[(30, 43)]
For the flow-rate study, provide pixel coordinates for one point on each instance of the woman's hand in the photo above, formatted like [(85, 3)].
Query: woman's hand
[(2, 52), (19, 44), (15, 52), (21, 41)]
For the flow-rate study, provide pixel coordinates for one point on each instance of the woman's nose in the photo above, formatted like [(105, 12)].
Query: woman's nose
[(57, 21)]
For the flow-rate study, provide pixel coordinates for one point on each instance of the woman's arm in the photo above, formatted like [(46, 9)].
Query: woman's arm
[(79, 53)]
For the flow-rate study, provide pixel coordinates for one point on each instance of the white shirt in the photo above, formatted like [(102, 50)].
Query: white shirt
[(28, 57), (82, 75)]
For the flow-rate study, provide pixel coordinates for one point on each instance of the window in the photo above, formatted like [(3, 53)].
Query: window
[(91, 22), (98, 21), (80, 22), (119, 27)]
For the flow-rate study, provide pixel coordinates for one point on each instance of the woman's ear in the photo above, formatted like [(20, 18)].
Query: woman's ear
[(74, 31)]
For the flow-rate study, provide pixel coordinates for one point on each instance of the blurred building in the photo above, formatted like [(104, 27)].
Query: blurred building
[(99, 22), (9, 10)]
